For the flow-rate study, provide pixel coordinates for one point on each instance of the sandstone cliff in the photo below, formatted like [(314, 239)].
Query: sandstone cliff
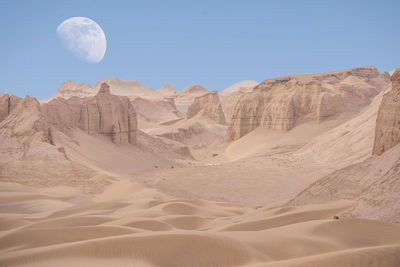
[(153, 112), (117, 87), (204, 122), (387, 131), (127, 88), (185, 98), (208, 106), (243, 86), (281, 103), (103, 114), (7, 104)]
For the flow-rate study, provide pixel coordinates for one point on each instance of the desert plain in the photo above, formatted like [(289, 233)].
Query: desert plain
[(300, 170)]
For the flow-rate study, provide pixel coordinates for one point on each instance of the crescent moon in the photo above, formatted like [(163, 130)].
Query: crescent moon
[(84, 38)]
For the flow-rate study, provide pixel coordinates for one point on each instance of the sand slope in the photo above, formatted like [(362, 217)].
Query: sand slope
[(145, 228)]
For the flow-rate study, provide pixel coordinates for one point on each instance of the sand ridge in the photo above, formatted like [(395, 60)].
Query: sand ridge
[(150, 228)]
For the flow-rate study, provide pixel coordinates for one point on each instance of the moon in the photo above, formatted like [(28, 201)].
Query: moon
[(84, 38)]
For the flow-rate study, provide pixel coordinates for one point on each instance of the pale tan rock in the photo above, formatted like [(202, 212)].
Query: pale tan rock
[(151, 113), (103, 114), (387, 131), (208, 106), (194, 89), (167, 90), (70, 88), (117, 87), (127, 88), (7, 104), (229, 103), (280, 103), (185, 98), (243, 86)]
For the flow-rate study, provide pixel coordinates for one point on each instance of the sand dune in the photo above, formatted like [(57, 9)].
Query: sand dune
[(147, 228), (180, 196)]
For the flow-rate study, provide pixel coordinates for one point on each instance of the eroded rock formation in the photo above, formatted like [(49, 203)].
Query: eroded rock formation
[(167, 90), (280, 103), (7, 104), (208, 106), (185, 98), (387, 131), (103, 114)]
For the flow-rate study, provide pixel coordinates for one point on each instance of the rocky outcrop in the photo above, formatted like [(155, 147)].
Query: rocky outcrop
[(7, 104), (103, 114), (243, 86), (151, 113), (167, 90), (194, 89), (387, 131), (117, 87), (24, 126), (127, 88), (280, 103), (185, 98), (207, 106), (70, 88), (180, 134)]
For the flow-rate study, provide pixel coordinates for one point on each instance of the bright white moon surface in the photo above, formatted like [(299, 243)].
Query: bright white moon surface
[(84, 38)]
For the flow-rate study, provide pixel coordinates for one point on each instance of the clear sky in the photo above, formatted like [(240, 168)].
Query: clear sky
[(212, 43)]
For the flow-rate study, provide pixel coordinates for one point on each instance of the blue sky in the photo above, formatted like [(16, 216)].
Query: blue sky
[(212, 43)]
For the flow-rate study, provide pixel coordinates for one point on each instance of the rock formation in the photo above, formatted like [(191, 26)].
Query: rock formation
[(243, 86), (104, 114), (207, 106), (7, 104), (185, 98), (127, 88), (153, 112), (194, 89), (167, 90), (117, 87), (280, 103), (231, 95), (387, 131), (229, 103), (204, 122), (24, 130)]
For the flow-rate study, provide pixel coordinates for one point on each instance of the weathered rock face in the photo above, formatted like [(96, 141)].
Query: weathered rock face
[(229, 102), (70, 88), (207, 106), (117, 87), (280, 103), (167, 90), (243, 86), (23, 125), (194, 89), (185, 98), (7, 104), (104, 114), (152, 113), (387, 131)]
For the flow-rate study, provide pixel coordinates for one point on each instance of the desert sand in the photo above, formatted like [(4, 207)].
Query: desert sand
[(105, 175)]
